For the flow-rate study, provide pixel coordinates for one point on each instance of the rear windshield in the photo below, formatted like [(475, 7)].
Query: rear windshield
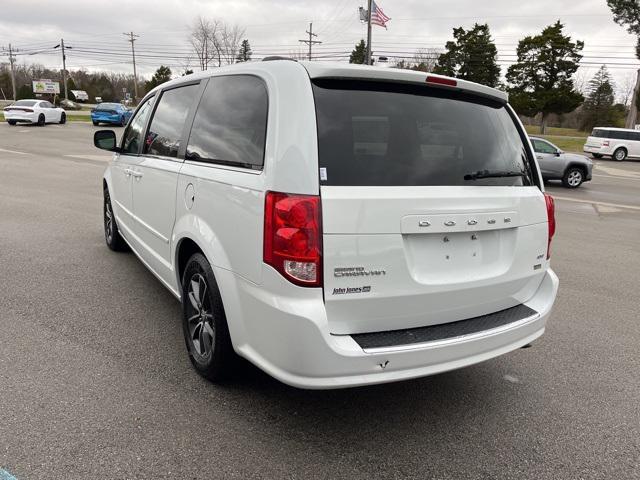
[(108, 106), (382, 134), (25, 103)]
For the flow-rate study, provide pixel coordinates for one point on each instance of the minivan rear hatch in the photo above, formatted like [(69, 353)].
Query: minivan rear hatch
[(431, 210)]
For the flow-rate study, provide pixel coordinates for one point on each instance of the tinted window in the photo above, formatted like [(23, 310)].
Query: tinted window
[(624, 135), (108, 106), (543, 147), (231, 122), (599, 133), (167, 124), (25, 103), (395, 134), (133, 136)]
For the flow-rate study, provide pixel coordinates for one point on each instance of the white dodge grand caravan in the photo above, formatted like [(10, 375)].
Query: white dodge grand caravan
[(335, 225)]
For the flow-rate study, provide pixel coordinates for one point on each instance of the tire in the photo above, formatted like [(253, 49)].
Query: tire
[(573, 177), (41, 120), (111, 233), (63, 118), (596, 155), (95, 124), (620, 154), (11, 122), (204, 323)]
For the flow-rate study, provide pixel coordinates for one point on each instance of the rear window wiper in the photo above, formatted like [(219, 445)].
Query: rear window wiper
[(492, 174)]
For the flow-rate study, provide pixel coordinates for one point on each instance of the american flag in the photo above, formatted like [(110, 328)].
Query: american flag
[(377, 16)]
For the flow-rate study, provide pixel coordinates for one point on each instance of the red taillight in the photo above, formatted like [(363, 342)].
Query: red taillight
[(27, 110), (293, 237), (450, 82), (551, 218), (605, 143)]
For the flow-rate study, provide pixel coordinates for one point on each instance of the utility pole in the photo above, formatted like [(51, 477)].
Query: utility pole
[(13, 73), (64, 66), (311, 41), (368, 55), (132, 38), (633, 109)]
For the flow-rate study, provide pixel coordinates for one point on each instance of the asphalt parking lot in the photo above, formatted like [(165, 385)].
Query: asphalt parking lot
[(95, 382)]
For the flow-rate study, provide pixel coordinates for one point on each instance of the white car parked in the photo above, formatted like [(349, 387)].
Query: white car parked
[(619, 143), (335, 225), (39, 112)]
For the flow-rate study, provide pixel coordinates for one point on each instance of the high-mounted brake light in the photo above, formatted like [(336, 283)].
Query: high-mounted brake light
[(293, 237), (450, 82), (551, 219)]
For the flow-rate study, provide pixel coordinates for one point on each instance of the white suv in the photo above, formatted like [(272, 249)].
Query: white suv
[(335, 225), (619, 143)]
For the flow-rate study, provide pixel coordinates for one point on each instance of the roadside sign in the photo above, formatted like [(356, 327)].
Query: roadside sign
[(124, 89), (46, 86)]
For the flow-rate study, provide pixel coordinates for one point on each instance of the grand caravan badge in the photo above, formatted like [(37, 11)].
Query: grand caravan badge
[(357, 272)]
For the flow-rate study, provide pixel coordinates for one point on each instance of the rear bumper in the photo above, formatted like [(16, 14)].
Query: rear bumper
[(287, 336), (597, 150), (115, 119), (21, 117)]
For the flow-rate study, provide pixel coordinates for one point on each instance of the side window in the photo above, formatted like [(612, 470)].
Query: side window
[(231, 122), (543, 147), (133, 136), (167, 124)]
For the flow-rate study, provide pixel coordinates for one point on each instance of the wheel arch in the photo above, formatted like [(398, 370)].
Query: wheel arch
[(576, 165), (185, 247), (620, 147)]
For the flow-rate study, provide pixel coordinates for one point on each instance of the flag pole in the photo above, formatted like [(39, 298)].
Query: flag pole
[(368, 55)]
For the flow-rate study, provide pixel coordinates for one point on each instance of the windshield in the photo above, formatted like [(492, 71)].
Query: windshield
[(25, 103), (397, 134)]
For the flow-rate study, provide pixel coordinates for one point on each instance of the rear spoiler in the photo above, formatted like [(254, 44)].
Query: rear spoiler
[(363, 72)]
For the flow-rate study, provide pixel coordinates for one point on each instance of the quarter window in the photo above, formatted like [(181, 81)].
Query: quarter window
[(167, 124), (231, 122), (133, 135)]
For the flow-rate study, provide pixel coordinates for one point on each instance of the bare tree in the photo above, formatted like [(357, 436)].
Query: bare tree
[(229, 41), (625, 88), (581, 81), (204, 41), (425, 59)]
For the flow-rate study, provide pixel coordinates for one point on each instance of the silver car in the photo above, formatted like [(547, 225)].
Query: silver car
[(573, 169)]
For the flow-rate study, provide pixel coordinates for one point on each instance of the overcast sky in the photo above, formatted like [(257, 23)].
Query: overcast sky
[(94, 28)]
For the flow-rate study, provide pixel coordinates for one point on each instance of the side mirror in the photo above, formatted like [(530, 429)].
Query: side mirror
[(558, 152), (105, 140)]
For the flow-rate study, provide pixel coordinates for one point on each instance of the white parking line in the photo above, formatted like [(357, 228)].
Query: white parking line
[(13, 151), (595, 202)]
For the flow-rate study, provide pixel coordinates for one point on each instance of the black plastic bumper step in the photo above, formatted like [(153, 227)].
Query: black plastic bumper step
[(409, 336)]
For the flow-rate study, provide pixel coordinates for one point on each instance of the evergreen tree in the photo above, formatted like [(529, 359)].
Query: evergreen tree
[(541, 79), (598, 106), (163, 74), (471, 56), (244, 53), (359, 54), (627, 12)]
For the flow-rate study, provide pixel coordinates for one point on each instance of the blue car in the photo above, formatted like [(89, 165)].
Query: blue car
[(112, 113)]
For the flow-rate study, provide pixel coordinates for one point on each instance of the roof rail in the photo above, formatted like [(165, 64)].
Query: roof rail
[(277, 57)]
